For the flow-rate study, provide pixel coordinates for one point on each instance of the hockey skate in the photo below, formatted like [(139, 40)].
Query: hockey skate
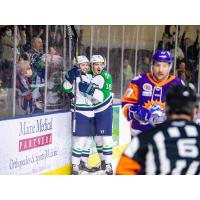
[(108, 170), (100, 169), (75, 169), (86, 168), (103, 165)]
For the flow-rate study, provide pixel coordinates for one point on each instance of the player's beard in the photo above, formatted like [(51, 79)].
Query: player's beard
[(160, 77)]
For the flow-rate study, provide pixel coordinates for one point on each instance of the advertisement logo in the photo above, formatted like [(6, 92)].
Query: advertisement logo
[(147, 87), (34, 142)]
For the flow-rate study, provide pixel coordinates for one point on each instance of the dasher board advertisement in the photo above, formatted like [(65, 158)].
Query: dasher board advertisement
[(35, 145)]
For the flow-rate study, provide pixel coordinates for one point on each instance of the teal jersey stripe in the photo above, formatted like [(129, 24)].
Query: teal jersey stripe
[(76, 151)]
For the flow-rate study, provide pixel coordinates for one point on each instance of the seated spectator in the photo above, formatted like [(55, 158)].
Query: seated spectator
[(24, 93), (181, 71)]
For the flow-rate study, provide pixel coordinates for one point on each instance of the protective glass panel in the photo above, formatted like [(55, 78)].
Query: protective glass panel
[(85, 41), (129, 55), (100, 41), (145, 48), (187, 67), (55, 65), (186, 55), (115, 59), (31, 71)]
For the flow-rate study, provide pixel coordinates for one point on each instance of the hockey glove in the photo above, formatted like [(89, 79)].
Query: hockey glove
[(139, 113), (72, 74), (156, 115), (87, 88)]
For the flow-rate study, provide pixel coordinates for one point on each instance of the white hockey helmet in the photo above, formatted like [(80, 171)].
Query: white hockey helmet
[(97, 59), (82, 59)]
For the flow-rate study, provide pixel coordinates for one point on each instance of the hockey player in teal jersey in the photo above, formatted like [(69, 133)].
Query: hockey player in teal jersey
[(83, 109), (100, 90)]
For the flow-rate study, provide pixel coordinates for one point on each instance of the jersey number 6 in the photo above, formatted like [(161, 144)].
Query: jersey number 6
[(187, 148)]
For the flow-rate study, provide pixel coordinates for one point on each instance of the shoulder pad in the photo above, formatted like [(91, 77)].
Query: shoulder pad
[(105, 74)]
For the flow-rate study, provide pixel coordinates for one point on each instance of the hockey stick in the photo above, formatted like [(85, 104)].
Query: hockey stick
[(70, 29), (73, 101)]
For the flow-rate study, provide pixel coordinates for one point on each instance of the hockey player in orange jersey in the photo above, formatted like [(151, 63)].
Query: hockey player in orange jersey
[(143, 103), (172, 147)]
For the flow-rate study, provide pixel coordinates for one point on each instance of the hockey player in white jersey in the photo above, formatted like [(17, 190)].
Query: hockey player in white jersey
[(83, 108), (100, 91)]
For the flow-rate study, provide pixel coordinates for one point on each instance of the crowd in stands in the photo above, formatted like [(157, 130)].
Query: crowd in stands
[(187, 55), (30, 47), (30, 60)]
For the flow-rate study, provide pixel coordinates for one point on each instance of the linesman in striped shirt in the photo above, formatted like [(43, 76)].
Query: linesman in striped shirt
[(170, 148)]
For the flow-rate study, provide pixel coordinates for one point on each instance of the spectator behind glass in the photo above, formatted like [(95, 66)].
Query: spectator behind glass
[(128, 73), (55, 69), (37, 65), (185, 42), (181, 71), (145, 65), (7, 42), (192, 55), (179, 52), (165, 43), (36, 45)]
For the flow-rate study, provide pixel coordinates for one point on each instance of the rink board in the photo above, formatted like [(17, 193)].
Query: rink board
[(42, 144), (35, 144)]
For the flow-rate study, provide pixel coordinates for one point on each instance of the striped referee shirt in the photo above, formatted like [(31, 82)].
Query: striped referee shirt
[(171, 148)]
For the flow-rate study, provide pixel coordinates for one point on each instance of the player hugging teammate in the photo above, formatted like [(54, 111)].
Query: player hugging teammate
[(90, 91)]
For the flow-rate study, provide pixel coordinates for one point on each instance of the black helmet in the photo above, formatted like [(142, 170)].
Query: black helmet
[(181, 99)]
